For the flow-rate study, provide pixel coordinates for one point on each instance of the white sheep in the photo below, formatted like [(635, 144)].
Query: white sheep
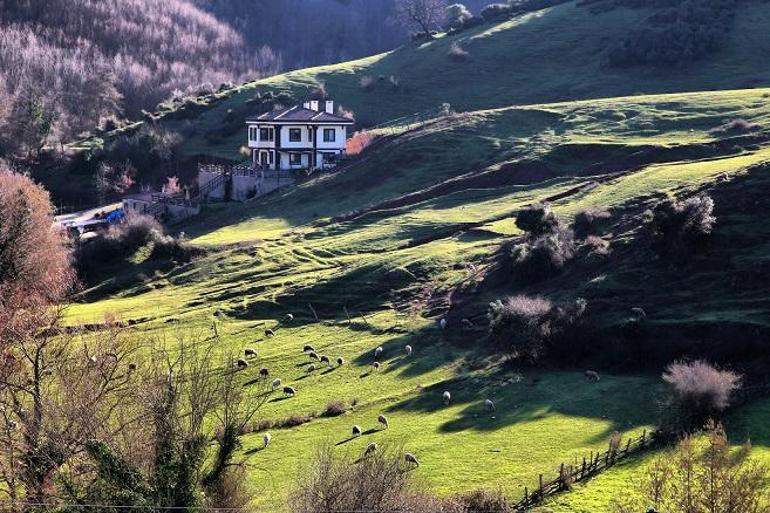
[(276, 383), (408, 350), (311, 368), (325, 359), (489, 404), (313, 355), (356, 430), (269, 333), (241, 364), (446, 396), (442, 323), (378, 351), (266, 439), (289, 317), (382, 419), (639, 313), (591, 375), (410, 458), (264, 372), (131, 367), (376, 366), (308, 348), (370, 449), (289, 391), (250, 353), (340, 360)]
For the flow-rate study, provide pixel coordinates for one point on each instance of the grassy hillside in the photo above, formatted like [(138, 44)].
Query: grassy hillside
[(393, 237), (547, 56)]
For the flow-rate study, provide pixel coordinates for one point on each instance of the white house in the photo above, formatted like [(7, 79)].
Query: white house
[(300, 137)]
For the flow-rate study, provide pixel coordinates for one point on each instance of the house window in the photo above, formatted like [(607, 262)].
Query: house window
[(266, 134), (295, 159), (330, 135), (252, 133), (295, 135)]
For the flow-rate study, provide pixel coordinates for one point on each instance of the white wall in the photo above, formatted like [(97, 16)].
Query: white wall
[(304, 141), (285, 161), (339, 141)]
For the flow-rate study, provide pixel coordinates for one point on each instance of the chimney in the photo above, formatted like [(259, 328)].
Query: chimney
[(314, 105), (329, 107), (306, 105)]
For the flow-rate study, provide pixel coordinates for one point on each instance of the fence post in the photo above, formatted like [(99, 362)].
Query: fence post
[(526, 495), (313, 311), (540, 491), (347, 314), (561, 476), (583, 468)]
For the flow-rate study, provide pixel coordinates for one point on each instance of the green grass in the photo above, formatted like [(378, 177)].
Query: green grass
[(549, 56), (428, 204)]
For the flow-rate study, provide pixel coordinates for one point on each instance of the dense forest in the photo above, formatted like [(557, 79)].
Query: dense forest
[(118, 58)]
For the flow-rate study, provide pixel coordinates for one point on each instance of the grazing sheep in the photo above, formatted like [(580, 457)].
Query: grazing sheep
[(376, 366), (241, 364), (410, 458), (289, 391), (12, 425), (92, 359), (276, 383), (308, 349), (370, 449), (269, 333), (723, 177), (467, 323), (311, 368), (313, 355), (378, 351), (446, 396), (289, 317), (356, 430), (264, 372), (591, 375), (639, 313), (489, 404), (382, 419), (131, 367), (442, 323), (325, 359), (408, 350), (250, 353), (266, 439), (340, 360)]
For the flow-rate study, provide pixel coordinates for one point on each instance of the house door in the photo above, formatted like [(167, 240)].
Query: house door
[(264, 158)]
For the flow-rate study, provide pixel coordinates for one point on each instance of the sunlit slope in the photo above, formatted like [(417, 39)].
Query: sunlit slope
[(387, 240), (547, 56)]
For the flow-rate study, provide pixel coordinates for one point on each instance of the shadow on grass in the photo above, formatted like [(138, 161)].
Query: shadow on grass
[(622, 402)]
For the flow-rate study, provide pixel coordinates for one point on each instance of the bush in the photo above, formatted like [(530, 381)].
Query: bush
[(359, 142), (123, 240), (339, 483), (456, 16), (678, 228), (738, 125), (494, 11), (335, 409), (529, 327), (543, 258), (485, 501), (457, 53), (537, 220), (367, 82), (698, 391), (591, 221)]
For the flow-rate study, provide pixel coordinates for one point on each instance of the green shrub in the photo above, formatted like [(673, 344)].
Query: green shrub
[(537, 220), (531, 327), (678, 228), (542, 258), (591, 221)]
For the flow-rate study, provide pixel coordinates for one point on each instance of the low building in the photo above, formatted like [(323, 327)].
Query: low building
[(299, 137)]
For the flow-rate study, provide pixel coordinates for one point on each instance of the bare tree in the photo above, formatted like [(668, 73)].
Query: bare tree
[(63, 389), (701, 476), (423, 16)]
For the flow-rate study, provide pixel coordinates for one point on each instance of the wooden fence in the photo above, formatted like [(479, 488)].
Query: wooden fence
[(569, 474)]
